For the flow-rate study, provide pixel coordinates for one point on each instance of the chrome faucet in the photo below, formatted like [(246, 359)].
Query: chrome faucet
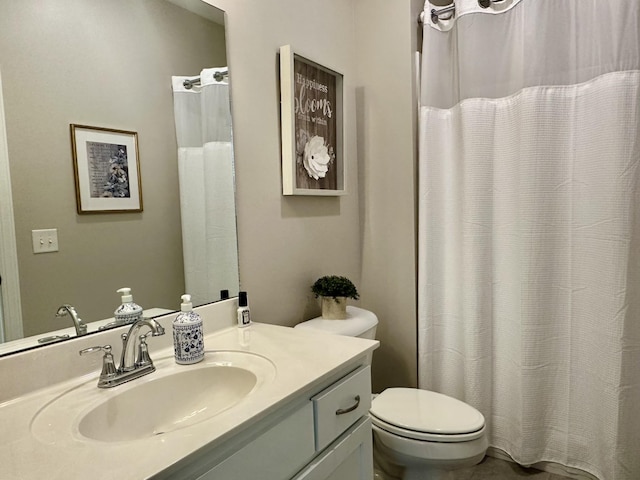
[(81, 328), (131, 342), (131, 365)]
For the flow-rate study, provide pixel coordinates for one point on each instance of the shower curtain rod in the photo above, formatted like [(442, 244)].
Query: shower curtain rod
[(435, 14), (218, 77)]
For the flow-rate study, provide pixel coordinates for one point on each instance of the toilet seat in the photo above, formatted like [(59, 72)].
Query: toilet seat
[(425, 436), (427, 416)]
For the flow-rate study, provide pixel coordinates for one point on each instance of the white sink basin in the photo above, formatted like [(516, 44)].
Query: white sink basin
[(172, 398), (168, 403)]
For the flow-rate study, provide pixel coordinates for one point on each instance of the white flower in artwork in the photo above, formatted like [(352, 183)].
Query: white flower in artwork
[(316, 157)]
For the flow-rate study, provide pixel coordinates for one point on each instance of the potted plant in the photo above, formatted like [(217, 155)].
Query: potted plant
[(334, 291)]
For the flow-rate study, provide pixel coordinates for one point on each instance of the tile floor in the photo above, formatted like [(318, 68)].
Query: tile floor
[(494, 469)]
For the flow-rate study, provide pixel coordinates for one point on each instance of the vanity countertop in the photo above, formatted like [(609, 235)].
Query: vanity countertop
[(302, 361)]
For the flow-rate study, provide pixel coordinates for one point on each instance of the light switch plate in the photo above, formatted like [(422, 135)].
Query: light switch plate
[(45, 241)]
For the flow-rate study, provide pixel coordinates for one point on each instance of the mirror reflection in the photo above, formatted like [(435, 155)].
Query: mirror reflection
[(118, 65)]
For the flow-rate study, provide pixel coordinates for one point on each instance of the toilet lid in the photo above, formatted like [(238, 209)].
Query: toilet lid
[(423, 411)]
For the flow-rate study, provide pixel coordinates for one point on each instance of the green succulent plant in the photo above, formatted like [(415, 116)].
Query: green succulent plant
[(334, 286)]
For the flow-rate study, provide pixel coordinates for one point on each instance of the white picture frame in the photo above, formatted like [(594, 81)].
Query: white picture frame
[(311, 98)]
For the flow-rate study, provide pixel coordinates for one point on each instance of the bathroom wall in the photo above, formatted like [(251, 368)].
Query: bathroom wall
[(53, 56), (386, 36), (287, 242), (367, 235)]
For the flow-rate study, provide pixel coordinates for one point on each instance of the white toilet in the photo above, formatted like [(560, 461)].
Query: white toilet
[(417, 434)]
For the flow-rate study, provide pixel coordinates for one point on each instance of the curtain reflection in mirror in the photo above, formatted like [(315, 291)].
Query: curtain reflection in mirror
[(206, 178)]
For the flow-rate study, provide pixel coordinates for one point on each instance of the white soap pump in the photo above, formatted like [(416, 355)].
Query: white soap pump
[(188, 341), (128, 312)]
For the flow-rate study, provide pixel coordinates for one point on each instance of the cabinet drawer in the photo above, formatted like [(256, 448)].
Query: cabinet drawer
[(341, 405)]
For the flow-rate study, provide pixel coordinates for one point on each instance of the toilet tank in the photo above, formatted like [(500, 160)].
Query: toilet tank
[(359, 323)]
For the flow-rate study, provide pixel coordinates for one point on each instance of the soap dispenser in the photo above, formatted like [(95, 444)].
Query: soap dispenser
[(188, 341), (128, 312)]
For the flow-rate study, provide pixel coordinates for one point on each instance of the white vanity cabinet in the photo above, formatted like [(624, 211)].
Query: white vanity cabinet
[(305, 418), (324, 434)]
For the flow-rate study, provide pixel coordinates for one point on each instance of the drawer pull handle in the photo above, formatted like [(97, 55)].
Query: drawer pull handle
[(342, 411)]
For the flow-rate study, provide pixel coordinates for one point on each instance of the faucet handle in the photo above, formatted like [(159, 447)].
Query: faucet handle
[(106, 349), (108, 365)]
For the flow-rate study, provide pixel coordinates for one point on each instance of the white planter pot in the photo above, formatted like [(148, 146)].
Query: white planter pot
[(334, 309)]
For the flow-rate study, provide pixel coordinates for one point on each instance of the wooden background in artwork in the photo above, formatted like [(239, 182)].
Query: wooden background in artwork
[(328, 132)]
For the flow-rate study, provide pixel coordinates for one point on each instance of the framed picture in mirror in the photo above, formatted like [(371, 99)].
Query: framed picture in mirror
[(311, 94), (106, 166)]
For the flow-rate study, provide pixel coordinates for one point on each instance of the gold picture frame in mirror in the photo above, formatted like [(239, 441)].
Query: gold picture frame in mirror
[(106, 166)]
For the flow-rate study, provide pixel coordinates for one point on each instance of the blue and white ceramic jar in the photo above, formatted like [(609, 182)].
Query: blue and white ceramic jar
[(188, 338)]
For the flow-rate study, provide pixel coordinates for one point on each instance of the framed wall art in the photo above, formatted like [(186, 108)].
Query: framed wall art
[(311, 97), (107, 170)]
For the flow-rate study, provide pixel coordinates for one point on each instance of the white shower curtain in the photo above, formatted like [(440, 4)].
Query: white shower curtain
[(529, 226), (207, 192)]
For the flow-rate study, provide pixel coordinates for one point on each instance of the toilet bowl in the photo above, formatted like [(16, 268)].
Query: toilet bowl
[(418, 434), (425, 434)]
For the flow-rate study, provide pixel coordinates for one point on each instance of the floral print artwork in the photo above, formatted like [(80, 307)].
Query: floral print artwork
[(108, 170), (318, 164)]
